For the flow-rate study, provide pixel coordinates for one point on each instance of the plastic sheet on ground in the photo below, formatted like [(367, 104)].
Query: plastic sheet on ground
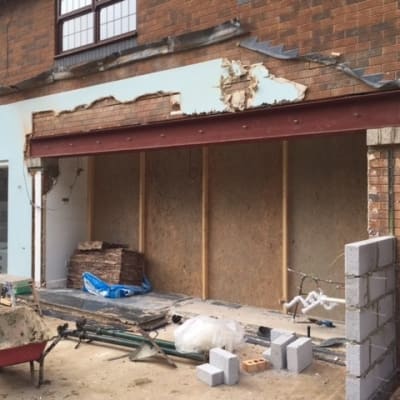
[(94, 285), (203, 333)]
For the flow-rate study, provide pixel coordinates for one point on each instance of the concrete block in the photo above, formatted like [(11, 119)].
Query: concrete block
[(390, 278), (361, 257), (385, 370), (386, 309), (361, 323), (209, 374), (382, 341), (377, 285), (267, 355), (356, 291), (254, 365), (275, 333), (360, 388), (228, 362), (386, 251), (278, 350), (299, 355), (357, 358)]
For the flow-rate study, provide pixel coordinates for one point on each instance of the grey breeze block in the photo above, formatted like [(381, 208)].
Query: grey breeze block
[(278, 350), (228, 363), (209, 374), (299, 355)]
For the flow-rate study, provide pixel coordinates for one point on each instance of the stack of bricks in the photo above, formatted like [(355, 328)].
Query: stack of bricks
[(370, 317), (116, 265)]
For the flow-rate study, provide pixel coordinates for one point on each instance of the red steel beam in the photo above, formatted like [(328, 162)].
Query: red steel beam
[(337, 115)]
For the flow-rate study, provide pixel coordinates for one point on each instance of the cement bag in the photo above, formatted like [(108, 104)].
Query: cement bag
[(203, 333)]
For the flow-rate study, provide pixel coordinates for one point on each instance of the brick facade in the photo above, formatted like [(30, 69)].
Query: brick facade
[(363, 33), (105, 113)]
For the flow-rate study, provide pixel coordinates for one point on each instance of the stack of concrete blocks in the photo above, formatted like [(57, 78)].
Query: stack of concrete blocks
[(370, 317), (223, 368), (289, 352)]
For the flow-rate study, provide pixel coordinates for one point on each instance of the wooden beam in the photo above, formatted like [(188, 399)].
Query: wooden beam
[(90, 196), (142, 203), (204, 225)]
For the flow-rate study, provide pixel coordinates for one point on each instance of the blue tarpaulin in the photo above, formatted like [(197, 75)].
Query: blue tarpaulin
[(94, 285)]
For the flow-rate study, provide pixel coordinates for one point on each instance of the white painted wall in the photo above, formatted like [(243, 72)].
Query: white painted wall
[(12, 140), (66, 221), (199, 87)]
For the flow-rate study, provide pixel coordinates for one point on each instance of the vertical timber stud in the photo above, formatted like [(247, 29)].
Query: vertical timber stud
[(142, 202), (204, 225), (90, 196), (284, 223)]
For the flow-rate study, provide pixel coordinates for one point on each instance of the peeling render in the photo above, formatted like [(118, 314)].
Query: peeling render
[(221, 85), (375, 81), (247, 86)]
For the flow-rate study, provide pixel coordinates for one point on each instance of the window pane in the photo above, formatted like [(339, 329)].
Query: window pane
[(118, 18), (72, 5), (77, 32)]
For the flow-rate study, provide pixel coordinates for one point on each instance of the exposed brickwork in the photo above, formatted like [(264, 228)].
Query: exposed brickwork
[(102, 114), (363, 32)]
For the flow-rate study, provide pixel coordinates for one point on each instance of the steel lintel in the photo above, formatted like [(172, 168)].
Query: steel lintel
[(330, 116)]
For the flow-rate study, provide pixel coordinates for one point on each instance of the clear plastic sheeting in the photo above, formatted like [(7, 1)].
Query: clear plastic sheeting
[(203, 333), (94, 285)]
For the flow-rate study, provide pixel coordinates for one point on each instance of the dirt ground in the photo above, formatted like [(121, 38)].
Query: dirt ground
[(88, 373)]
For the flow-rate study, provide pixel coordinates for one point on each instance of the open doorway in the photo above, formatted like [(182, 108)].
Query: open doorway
[(3, 216)]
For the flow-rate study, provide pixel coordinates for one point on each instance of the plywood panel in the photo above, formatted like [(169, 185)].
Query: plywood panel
[(245, 223), (116, 196), (173, 239), (328, 208)]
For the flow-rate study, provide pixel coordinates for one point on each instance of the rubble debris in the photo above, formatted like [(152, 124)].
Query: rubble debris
[(20, 326)]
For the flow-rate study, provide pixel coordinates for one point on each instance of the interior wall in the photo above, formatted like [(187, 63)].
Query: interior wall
[(116, 199), (173, 234), (327, 209), (65, 218), (245, 223)]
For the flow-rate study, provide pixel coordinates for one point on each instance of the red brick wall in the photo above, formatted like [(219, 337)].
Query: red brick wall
[(104, 113), (363, 31)]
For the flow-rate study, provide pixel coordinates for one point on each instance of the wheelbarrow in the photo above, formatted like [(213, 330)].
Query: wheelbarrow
[(24, 338), (32, 352)]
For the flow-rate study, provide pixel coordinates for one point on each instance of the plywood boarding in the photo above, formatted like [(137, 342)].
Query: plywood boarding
[(245, 223), (327, 208), (116, 197), (173, 237)]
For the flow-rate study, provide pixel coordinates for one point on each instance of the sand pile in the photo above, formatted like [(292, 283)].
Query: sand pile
[(20, 326)]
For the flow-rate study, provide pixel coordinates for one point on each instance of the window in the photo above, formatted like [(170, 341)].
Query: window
[(84, 23)]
